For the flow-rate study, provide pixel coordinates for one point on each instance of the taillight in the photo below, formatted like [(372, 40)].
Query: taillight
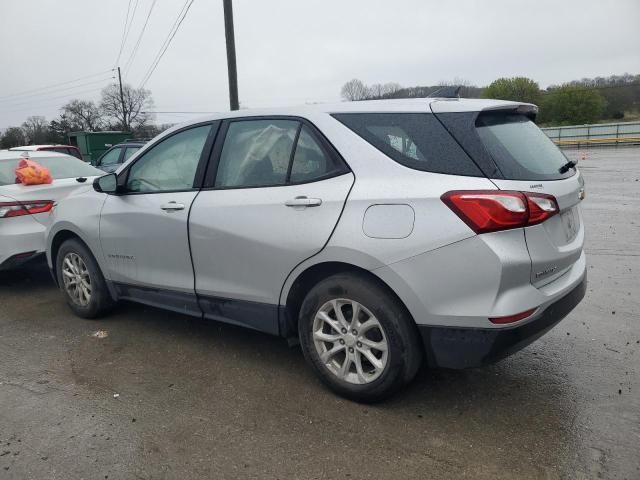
[(17, 209), (494, 210), (541, 207)]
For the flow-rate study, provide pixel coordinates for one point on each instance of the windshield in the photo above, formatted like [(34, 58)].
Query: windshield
[(60, 167), (519, 148)]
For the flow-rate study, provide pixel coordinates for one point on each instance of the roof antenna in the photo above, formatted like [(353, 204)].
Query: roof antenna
[(452, 91)]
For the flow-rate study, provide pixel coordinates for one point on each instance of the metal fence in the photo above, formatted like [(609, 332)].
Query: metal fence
[(597, 134)]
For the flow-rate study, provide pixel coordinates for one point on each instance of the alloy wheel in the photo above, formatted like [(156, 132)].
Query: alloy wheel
[(77, 282), (350, 341)]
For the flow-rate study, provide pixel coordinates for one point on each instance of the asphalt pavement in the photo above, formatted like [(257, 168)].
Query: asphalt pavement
[(149, 394)]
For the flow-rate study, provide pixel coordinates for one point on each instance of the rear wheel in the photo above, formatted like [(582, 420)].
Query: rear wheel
[(81, 280), (358, 338)]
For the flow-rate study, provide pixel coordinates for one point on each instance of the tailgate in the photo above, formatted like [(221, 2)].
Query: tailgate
[(555, 244), (516, 155)]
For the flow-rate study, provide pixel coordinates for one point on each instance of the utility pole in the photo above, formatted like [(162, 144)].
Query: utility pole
[(124, 109), (231, 54)]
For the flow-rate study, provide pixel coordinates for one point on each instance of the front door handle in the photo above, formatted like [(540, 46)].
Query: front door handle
[(172, 206), (303, 201)]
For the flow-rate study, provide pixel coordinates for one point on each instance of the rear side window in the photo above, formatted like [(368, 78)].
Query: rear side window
[(519, 148), (415, 140)]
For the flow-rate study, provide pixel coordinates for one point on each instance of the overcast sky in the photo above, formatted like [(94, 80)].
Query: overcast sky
[(298, 51)]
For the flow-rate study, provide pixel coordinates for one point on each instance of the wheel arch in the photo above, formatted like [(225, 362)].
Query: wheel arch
[(58, 238), (310, 277)]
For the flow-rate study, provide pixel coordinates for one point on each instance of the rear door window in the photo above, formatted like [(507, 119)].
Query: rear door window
[(310, 161), (519, 148), (256, 153), (415, 140)]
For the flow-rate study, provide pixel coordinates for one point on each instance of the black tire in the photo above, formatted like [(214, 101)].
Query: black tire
[(100, 299), (404, 346)]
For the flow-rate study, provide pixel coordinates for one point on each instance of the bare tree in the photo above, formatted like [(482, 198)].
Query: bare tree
[(83, 115), (129, 112), (376, 90), (355, 90), (389, 89), (35, 129)]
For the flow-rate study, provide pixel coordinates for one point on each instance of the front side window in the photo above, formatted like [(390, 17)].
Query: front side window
[(170, 165), (111, 157), (256, 153)]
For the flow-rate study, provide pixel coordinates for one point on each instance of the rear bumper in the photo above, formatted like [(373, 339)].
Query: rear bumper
[(449, 347), (21, 259), (21, 240)]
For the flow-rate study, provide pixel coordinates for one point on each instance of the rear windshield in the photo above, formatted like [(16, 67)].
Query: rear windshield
[(60, 167), (415, 140), (519, 148)]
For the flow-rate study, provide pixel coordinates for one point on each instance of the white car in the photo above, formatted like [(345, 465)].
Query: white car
[(24, 209)]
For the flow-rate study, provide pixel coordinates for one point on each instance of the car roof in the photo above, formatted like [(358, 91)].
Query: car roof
[(34, 148), (18, 154), (403, 105)]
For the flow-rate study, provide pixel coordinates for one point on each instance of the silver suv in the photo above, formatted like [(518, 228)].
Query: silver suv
[(377, 233)]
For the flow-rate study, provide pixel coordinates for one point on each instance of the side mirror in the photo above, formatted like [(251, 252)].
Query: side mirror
[(106, 184)]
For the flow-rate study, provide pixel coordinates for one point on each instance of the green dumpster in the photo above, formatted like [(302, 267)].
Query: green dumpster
[(94, 144)]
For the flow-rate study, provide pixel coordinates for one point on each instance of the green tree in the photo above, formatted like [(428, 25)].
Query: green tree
[(572, 105), (518, 89), (13, 137)]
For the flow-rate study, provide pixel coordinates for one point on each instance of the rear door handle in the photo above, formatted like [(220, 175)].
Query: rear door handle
[(172, 206), (303, 201)]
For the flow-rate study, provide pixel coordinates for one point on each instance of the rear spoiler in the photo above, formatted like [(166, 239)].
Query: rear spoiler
[(527, 109), (477, 106)]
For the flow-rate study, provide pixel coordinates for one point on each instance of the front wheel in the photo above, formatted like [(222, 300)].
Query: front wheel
[(358, 337), (81, 280)]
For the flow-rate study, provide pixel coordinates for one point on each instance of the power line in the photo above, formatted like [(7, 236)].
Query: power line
[(165, 46), (175, 22), (56, 90), (24, 92), (125, 32), (31, 103), (135, 48)]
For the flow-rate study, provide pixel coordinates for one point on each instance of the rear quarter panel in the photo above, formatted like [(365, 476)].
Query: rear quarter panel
[(79, 213), (382, 181)]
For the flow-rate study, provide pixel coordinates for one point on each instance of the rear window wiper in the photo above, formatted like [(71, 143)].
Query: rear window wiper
[(565, 168)]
